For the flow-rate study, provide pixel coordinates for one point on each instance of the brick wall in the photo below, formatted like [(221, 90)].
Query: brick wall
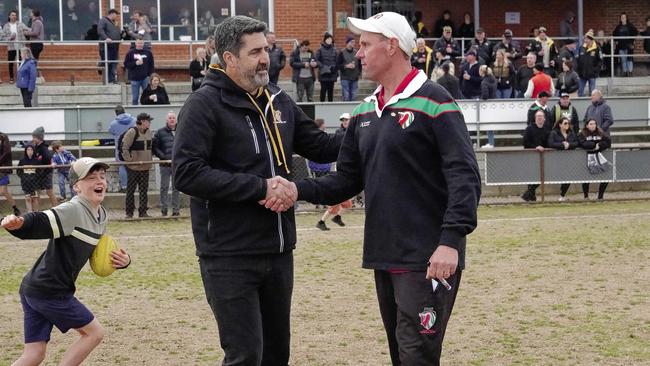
[(307, 19)]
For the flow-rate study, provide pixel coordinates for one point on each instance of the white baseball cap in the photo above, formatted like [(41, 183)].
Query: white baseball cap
[(389, 24), (80, 168), (345, 115)]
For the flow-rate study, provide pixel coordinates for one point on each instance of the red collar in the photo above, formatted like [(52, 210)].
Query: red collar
[(400, 88)]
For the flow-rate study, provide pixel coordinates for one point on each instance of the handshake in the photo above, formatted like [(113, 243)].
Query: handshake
[(281, 194)]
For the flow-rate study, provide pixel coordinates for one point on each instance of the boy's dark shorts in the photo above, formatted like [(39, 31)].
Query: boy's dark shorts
[(42, 314), (45, 182)]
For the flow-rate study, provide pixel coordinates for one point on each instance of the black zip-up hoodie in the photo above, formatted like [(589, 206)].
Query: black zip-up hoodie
[(222, 158), (417, 168)]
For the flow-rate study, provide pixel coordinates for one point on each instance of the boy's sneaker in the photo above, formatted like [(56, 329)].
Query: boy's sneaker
[(321, 225), (16, 211), (487, 146), (176, 213), (562, 199), (337, 219), (163, 212)]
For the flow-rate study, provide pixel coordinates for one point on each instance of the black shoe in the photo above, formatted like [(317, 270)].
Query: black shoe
[(337, 220), (129, 216), (176, 213), (163, 212), (122, 190), (144, 215), (321, 225), (526, 196), (16, 211)]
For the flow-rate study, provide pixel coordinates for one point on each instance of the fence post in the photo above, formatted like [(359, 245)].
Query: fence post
[(79, 130), (106, 62), (611, 58), (541, 173), (478, 124)]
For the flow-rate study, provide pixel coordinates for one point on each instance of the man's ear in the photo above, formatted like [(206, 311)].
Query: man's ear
[(229, 59), (393, 46)]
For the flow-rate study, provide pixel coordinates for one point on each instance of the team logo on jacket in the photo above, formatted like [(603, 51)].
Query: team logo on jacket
[(427, 320), (277, 117), (405, 119)]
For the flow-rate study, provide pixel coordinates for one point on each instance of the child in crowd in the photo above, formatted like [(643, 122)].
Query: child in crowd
[(61, 156), (29, 178), (47, 290)]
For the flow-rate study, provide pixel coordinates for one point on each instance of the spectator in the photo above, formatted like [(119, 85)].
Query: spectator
[(625, 46), (488, 91), (163, 144), (471, 79), (567, 53), (140, 27), (562, 137), (122, 122), (155, 92), (594, 140), (504, 72), (42, 154), (328, 72), (446, 48), (646, 41), (535, 137), (61, 156), (466, 30), (545, 49), (36, 32), (540, 104), (568, 80), (29, 178), (524, 74), (508, 45), (443, 22), (566, 25), (27, 73), (422, 57), (417, 24), (277, 58), (589, 64), (564, 109), (483, 47), (110, 33), (539, 82), (140, 65), (198, 68), (449, 81), (606, 54), (5, 160), (14, 31), (136, 147), (599, 111), (210, 47), (303, 64), (350, 68)]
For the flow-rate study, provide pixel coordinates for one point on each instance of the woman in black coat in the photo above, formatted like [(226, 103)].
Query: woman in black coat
[(155, 92), (625, 46), (449, 81), (328, 73), (198, 67), (562, 138), (594, 140)]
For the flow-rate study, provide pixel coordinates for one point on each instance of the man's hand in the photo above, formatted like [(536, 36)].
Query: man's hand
[(539, 148), (280, 194), (443, 263), (120, 258), (12, 222)]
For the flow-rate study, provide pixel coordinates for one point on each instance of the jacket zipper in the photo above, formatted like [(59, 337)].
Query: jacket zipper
[(250, 124), (268, 147)]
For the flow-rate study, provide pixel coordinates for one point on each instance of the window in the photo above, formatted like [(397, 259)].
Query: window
[(147, 7), (211, 13), (49, 12), (78, 17), (258, 9), (404, 7), (177, 19)]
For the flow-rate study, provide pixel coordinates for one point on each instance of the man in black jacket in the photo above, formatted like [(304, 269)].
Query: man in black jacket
[(535, 137), (408, 148), (110, 33), (234, 141), (163, 144), (277, 57)]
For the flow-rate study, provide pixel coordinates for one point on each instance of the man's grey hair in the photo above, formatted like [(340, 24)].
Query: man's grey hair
[(229, 33)]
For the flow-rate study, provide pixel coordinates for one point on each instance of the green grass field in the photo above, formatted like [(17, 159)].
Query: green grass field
[(545, 285)]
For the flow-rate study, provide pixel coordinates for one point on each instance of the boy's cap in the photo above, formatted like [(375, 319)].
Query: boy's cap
[(589, 34), (388, 24), (564, 94), (507, 33), (345, 115), (80, 168), (480, 30)]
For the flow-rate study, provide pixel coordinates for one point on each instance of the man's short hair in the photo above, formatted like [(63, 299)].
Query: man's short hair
[(542, 112), (119, 109), (36, 12), (112, 11), (229, 33)]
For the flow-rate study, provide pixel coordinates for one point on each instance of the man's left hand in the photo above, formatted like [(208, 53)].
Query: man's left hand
[(443, 262)]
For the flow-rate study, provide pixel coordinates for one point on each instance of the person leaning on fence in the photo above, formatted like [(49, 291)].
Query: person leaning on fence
[(47, 290), (136, 147), (6, 161), (27, 74), (599, 111), (198, 68), (61, 156), (43, 155), (29, 178), (163, 145), (535, 137), (109, 32), (595, 140), (14, 31), (155, 93), (564, 109), (562, 137)]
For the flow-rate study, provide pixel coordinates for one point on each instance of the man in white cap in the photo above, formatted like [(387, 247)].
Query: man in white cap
[(408, 148)]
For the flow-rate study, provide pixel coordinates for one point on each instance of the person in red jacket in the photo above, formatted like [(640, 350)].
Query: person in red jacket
[(539, 82)]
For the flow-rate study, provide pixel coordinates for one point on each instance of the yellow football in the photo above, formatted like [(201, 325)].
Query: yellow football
[(100, 260)]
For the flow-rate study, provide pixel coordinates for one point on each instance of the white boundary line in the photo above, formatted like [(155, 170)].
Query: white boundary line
[(355, 227)]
